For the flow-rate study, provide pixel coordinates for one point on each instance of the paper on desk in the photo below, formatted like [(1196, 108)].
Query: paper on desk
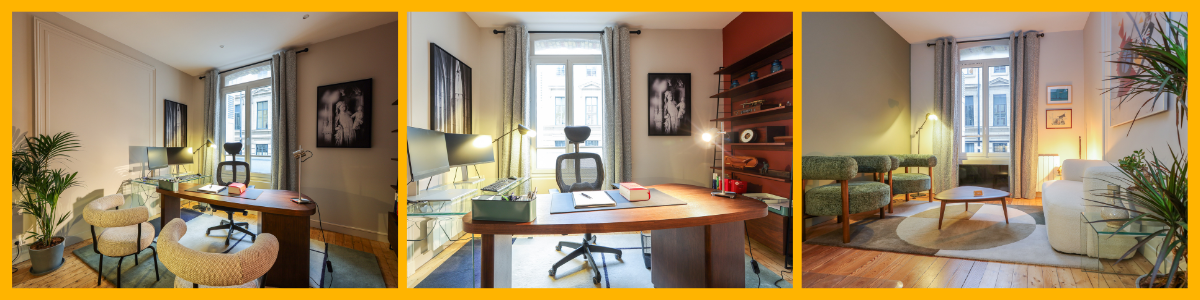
[(592, 199)]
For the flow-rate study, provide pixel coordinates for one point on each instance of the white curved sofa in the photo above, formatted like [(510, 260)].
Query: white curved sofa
[(1064, 200)]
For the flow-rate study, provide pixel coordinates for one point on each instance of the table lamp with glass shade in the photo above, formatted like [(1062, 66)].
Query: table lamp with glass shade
[(928, 117), (707, 137)]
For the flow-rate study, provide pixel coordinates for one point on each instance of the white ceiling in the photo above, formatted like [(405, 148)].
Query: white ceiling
[(191, 41), (919, 27), (572, 21)]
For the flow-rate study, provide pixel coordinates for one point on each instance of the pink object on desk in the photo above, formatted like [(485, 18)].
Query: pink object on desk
[(236, 188)]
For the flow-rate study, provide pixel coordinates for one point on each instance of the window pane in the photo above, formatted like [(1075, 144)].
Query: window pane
[(972, 145), (971, 104), (248, 75), (983, 52), (551, 105), (586, 90), (233, 116), (566, 47), (546, 157)]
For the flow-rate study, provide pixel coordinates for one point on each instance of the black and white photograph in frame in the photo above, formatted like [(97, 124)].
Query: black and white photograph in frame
[(344, 115), (174, 124), (670, 104), (449, 92)]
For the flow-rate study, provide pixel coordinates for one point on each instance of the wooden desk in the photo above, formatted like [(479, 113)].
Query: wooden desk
[(695, 245), (281, 217)]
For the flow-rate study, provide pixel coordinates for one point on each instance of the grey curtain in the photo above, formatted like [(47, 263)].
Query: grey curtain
[(514, 160), (947, 137), (207, 157), (284, 175), (618, 162), (1024, 50)]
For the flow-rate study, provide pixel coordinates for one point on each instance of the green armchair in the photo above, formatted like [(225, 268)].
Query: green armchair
[(905, 183), (843, 198)]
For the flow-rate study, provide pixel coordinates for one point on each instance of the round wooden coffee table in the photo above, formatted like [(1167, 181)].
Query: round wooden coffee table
[(966, 194)]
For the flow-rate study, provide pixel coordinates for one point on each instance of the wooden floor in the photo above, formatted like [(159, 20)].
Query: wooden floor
[(770, 260), (76, 274), (837, 267)]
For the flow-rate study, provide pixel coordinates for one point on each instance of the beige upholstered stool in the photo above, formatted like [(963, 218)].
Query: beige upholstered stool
[(195, 269), (126, 232)]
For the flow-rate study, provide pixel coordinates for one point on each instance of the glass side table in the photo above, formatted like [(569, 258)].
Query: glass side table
[(1105, 241)]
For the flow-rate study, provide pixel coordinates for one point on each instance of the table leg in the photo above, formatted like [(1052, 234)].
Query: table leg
[(291, 265), (169, 209), (496, 271), (1005, 207), (709, 256), (941, 214)]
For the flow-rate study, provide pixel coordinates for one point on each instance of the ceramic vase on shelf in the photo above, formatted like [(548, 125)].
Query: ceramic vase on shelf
[(776, 66), (733, 84), (753, 75)]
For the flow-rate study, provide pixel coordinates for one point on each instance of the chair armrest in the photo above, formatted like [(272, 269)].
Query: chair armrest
[(873, 163), (828, 168), (917, 160), (258, 258)]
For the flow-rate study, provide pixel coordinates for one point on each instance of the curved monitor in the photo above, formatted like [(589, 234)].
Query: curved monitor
[(426, 153), (463, 151), (157, 157)]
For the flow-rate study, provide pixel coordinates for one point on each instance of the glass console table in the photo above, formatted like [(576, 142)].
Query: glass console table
[(1104, 241)]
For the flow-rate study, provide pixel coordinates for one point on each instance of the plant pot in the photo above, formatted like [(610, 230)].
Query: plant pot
[(47, 260), (1178, 280)]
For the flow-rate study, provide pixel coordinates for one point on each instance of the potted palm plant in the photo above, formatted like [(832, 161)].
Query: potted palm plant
[(40, 187), (1158, 189)]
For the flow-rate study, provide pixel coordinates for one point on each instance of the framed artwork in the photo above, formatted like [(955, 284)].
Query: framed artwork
[(1058, 118), (449, 92), (344, 115), (174, 124), (1058, 94), (1128, 28), (670, 104)]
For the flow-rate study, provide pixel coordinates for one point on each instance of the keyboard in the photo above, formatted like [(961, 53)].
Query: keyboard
[(500, 185)]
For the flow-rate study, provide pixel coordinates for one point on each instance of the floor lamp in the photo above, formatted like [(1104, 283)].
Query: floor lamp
[(928, 116), (720, 143)]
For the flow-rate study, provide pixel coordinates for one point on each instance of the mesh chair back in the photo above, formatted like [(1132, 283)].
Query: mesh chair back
[(579, 172), (235, 165)]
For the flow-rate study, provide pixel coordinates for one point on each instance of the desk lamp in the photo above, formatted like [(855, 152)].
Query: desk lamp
[(301, 156), (707, 137), (481, 142)]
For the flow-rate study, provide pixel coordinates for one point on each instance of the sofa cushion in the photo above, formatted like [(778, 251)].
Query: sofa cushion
[(1072, 169), (1062, 202)]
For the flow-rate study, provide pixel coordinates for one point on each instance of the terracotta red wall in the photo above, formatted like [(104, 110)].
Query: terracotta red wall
[(747, 33)]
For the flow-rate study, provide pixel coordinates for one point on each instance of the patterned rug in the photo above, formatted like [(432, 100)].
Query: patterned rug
[(975, 231)]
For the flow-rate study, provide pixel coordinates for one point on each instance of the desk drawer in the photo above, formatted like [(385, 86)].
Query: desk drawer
[(770, 231)]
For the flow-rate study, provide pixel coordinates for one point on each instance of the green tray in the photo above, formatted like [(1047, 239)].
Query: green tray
[(491, 208)]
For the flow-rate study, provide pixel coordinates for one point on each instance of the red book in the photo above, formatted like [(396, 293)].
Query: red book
[(634, 192), (237, 188)]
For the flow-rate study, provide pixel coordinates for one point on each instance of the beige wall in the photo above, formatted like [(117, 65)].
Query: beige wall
[(351, 185), (1090, 92), (100, 179), (856, 86)]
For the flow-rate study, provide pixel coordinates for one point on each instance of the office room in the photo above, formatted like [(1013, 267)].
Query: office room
[(590, 150), (196, 150)]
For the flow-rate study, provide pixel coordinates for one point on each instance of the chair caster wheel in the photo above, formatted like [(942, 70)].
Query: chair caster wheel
[(595, 280), (557, 248), (619, 257), (551, 273)]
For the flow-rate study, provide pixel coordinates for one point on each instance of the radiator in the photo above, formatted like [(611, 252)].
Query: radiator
[(1047, 169)]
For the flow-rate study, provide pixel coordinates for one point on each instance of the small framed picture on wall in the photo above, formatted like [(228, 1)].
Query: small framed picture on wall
[(1058, 94), (1058, 118)]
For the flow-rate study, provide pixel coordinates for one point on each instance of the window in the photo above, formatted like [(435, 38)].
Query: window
[(261, 117), (247, 94), (565, 91), (985, 102)]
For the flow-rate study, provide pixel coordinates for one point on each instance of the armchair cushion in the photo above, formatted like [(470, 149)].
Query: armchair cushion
[(910, 183), (99, 212), (873, 163), (917, 160), (122, 241), (826, 200), (828, 168), (216, 269)]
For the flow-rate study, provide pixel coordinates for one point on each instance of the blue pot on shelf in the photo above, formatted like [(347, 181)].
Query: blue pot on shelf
[(733, 84), (753, 75), (776, 66)]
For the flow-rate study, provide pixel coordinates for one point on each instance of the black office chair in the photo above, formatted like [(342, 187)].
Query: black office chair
[(578, 172), (230, 226)]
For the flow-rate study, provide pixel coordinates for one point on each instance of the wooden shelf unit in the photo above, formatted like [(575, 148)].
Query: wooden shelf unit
[(761, 113), (753, 173), (764, 56), (761, 86)]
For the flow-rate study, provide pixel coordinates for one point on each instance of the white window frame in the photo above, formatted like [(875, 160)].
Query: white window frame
[(984, 109), (248, 109), (569, 61)]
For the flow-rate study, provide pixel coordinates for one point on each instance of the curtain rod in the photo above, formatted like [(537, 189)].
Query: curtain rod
[(639, 31), (983, 40), (254, 63)]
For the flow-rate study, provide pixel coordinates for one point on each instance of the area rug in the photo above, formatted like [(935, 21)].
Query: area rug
[(533, 258), (352, 268), (976, 231)]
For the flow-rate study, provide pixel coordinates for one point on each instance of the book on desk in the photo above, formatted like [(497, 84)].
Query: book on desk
[(592, 199)]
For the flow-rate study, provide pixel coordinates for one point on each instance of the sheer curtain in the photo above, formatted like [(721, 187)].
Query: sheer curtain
[(947, 135), (618, 162), (283, 121), (207, 158), (514, 160), (1024, 49)]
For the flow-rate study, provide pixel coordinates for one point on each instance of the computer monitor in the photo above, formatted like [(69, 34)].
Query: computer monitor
[(157, 156), (179, 155), (469, 149), (426, 153)]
